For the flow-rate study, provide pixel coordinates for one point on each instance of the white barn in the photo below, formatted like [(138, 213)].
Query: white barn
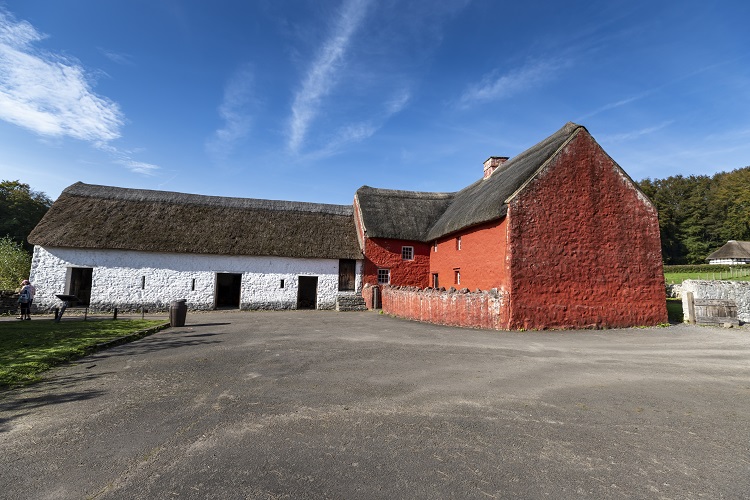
[(131, 249)]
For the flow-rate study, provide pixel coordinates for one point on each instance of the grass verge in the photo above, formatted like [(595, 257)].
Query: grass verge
[(28, 348)]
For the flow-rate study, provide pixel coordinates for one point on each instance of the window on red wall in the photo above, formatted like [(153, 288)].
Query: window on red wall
[(435, 281), (457, 276), (384, 276), (434, 246), (407, 253), (458, 243)]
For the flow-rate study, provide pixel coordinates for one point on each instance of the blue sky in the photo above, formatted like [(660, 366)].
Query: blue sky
[(308, 101)]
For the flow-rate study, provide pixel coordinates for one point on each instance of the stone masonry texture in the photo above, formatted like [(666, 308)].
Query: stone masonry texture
[(584, 246)]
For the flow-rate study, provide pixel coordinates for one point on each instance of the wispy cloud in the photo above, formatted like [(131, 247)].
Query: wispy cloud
[(235, 113), (124, 158), (116, 57), (47, 93), (634, 134), (52, 96), (321, 77), (497, 85)]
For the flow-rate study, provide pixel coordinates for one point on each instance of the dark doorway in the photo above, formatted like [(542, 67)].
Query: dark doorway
[(80, 284), (307, 293), (228, 287), (346, 275)]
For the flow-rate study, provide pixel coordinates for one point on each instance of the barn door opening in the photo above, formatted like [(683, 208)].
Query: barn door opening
[(79, 284), (307, 292), (228, 287), (346, 275)]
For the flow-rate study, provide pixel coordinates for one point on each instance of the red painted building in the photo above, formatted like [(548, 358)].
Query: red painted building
[(560, 234)]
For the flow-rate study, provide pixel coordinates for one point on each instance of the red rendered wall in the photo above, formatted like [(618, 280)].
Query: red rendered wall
[(386, 253), (584, 246), (474, 310), (481, 260)]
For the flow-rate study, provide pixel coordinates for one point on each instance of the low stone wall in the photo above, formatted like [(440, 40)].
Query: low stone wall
[(738, 291), (480, 309), (8, 302)]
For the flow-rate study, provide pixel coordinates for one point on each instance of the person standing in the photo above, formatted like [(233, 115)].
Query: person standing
[(25, 297)]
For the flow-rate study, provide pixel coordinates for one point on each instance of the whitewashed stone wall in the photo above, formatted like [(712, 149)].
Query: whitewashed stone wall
[(738, 291), (117, 278)]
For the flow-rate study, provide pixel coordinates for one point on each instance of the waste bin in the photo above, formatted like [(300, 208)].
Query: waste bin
[(177, 312)]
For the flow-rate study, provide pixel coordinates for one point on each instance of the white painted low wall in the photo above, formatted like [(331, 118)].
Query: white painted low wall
[(117, 278), (738, 291)]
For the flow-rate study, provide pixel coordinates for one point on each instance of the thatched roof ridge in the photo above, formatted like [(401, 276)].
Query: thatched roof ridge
[(732, 249), (485, 200), (406, 215), (101, 217), (147, 195)]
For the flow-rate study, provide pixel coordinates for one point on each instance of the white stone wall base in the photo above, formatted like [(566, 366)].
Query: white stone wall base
[(118, 277)]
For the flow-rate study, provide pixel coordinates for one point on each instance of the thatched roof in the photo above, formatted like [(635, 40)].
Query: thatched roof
[(423, 216), (739, 250), (406, 215), (101, 217)]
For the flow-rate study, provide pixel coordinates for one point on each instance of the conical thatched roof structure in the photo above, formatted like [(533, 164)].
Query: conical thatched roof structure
[(101, 217)]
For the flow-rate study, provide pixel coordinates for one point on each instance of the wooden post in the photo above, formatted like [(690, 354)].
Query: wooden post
[(115, 315), (691, 308)]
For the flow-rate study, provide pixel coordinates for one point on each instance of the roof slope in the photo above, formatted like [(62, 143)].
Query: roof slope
[(732, 250), (485, 200), (101, 217), (420, 216), (405, 215)]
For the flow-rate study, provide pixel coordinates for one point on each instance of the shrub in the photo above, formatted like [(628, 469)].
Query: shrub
[(15, 264)]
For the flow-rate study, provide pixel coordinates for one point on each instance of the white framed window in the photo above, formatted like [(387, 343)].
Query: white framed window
[(434, 246), (457, 276), (384, 276), (407, 253), (458, 243)]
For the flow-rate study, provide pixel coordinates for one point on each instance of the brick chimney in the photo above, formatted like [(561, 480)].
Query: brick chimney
[(491, 164)]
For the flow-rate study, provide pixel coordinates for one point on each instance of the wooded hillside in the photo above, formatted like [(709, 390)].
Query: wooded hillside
[(698, 214)]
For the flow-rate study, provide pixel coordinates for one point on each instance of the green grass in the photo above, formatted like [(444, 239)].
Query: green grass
[(678, 278), (674, 310), (28, 348)]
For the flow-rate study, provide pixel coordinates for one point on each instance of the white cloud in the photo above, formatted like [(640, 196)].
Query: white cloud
[(496, 86), (139, 167), (634, 134), (116, 57), (234, 112), (321, 77), (47, 93)]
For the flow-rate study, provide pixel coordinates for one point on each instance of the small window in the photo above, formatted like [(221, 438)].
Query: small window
[(457, 276), (192, 285), (434, 246), (407, 253), (282, 284), (458, 243), (384, 276), (435, 282)]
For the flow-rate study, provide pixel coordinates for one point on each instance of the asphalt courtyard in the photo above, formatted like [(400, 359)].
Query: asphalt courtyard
[(321, 404)]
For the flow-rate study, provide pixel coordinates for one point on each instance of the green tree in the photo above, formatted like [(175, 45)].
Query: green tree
[(15, 263), (21, 209)]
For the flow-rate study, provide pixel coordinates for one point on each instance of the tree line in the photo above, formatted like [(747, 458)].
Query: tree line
[(698, 214), (21, 209)]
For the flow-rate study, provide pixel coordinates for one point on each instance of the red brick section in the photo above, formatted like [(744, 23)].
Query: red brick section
[(481, 260), (475, 310), (584, 246)]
